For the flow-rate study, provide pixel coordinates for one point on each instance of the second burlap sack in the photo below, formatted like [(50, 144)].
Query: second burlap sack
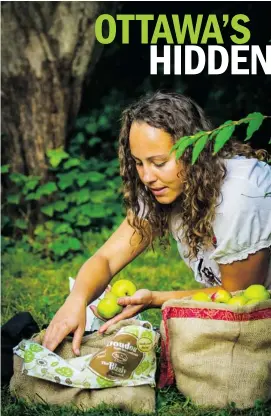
[(37, 390), (218, 354)]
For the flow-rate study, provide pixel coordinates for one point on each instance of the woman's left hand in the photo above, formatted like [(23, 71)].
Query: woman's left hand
[(132, 305)]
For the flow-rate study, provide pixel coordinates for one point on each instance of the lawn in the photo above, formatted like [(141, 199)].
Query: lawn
[(40, 285)]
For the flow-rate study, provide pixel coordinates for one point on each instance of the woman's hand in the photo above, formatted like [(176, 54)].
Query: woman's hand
[(71, 317), (139, 302)]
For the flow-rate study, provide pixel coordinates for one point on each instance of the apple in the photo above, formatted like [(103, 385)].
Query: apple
[(108, 307), (123, 287), (237, 300), (256, 292), (110, 295), (253, 301), (201, 297), (221, 296)]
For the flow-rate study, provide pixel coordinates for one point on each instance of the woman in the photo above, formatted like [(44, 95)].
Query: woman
[(216, 210)]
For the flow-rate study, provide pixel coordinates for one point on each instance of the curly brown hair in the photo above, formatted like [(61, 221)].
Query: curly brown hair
[(179, 116)]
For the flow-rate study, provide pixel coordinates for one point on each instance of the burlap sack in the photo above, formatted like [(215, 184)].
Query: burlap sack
[(138, 399), (217, 353)]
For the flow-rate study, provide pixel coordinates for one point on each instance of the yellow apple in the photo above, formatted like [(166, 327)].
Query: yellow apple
[(256, 292), (201, 297), (123, 287), (108, 307), (221, 296), (237, 300)]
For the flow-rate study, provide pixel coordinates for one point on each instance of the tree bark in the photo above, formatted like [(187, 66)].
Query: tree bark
[(48, 49)]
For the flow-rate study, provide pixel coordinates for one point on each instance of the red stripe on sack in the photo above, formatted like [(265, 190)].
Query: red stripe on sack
[(216, 314)]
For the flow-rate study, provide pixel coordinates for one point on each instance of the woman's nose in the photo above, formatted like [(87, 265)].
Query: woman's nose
[(148, 175)]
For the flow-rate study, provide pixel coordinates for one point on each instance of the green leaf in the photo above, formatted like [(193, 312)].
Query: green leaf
[(223, 136), (183, 144), (21, 223), (91, 127), (83, 221), (13, 199), (55, 156), (96, 177), (48, 210), (5, 168), (18, 178), (33, 196), (93, 141), (47, 189), (99, 197), (30, 185), (60, 206), (66, 179), (198, 147), (254, 124), (59, 248), (73, 161), (63, 228), (74, 243), (82, 196), (82, 178), (97, 211)]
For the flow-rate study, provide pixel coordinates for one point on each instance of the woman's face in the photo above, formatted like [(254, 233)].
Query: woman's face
[(157, 168)]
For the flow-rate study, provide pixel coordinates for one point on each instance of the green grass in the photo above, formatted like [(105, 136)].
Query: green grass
[(39, 286)]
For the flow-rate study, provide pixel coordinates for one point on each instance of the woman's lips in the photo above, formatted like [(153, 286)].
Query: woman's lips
[(158, 191)]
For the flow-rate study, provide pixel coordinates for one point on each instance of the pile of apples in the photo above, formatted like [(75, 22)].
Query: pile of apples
[(253, 294), (108, 307)]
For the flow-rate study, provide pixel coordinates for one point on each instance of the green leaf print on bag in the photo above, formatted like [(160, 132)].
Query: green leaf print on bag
[(64, 371), (132, 330), (35, 348), (142, 368), (29, 356), (54, 364), (104, 383)]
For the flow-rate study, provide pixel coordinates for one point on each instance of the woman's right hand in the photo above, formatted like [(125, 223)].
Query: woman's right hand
[(71, 317)]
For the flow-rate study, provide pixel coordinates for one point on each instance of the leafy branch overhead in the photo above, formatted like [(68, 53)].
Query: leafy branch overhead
[(220, 135)]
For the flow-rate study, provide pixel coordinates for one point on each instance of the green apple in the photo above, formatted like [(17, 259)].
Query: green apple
[(110, 295), (108, 307), (201, 297), (237, 300), (253, 301), (221, 296), (256, 292), (123, 287)]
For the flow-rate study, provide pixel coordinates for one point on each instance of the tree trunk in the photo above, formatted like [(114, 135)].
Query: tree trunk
[(48, 48)]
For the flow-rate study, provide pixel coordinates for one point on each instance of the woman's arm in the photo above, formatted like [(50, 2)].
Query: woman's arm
[(92, 279), (235, 276)]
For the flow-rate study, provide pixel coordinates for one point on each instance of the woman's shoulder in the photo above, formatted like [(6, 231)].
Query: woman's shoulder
[(246, 185), (253, 171)]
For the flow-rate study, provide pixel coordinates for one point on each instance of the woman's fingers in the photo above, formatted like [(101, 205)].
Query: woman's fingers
[(54, 335), (77, 338), (129, 300)]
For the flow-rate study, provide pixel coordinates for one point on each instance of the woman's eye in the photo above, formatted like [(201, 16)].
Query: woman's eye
[(158, 165)]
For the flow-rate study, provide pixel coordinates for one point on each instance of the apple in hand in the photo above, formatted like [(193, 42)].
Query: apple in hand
[(201, 297), (257, 292), (237, 300), (123, 287), (108, 307), (221, 296)]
